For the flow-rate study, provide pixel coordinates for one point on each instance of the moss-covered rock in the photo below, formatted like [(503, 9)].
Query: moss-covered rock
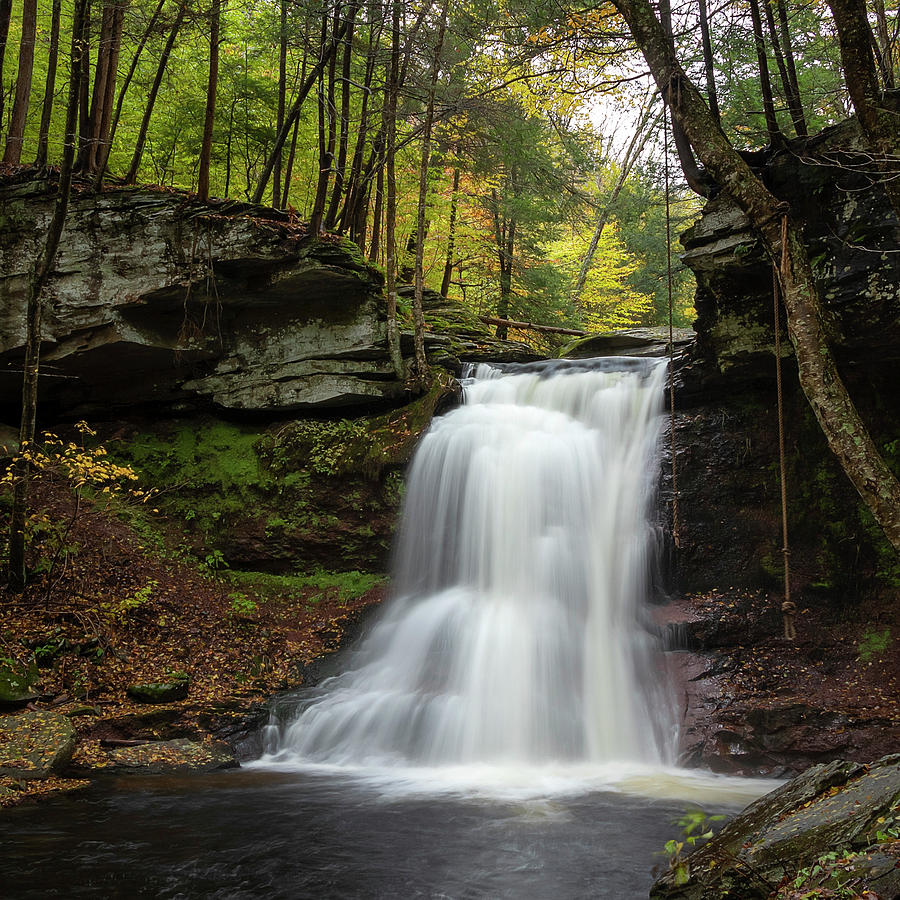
[(16, 682), (35, 744), (261, 318), (292, 496), (837, 808), (168, 691)]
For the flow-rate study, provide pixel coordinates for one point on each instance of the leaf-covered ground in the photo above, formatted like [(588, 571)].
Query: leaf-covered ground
[(115, 611)]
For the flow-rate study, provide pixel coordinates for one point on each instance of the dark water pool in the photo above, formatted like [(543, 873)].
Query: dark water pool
[(254, 833)]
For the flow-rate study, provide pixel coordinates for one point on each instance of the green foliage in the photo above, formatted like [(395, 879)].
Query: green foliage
[(311, 587), (873, 643), (119, 610), (694, 830), (242, 605), (16, 678), (328, 446)]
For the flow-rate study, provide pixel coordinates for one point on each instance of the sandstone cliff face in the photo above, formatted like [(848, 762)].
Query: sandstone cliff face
[(852, 235), (158, 299), (728, 415)]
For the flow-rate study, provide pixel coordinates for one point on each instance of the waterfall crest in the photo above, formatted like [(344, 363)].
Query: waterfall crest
[(516, 630)]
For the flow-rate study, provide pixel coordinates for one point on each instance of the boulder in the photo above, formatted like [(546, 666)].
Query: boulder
[(35, 744), (16, 683), (835, 807), (165, 757), (160, 691)]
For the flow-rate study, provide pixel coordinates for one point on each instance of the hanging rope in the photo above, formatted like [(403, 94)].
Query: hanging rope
[(676, 532), (788, 607)]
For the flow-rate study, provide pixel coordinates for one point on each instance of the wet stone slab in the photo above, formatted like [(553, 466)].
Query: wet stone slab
[(35, 744)]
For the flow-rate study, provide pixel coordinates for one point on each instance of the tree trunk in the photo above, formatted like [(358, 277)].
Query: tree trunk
[(787, 46), (325, 129), (451, 234), (302, 94), (42, 269), (84, 109), (531, 326), (765, 82), (885, 44), (101, 144), (211, 88), (49, 88), (355, 193), (393, 332), (844, 430), (289, 168), (708, 62), (282, 97), (5, 16), (639, 139), (131, 177), (91, 114), (16, 136), (377, 212), (695, 177), (107, 149), (424, 166), (781, 57), (344, 142), (877, 121), (286, 191), (375, 167)]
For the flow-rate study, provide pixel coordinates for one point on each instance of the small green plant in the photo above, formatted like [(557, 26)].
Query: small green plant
[(873, 643), (121, 609), (694, 829), (215, 560), (242, 605), (831, 875), (888, 829)]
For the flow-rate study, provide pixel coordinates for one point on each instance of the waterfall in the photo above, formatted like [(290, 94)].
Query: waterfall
[(517, 631)]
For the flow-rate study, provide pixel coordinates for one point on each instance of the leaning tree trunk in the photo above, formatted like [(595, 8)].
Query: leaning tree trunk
[(131, 177), (451, 234), (282, 136), (642, 132), (42, 268), (845, 432), (282, 96)]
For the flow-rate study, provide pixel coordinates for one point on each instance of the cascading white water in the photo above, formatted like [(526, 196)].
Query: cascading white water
[(516, 633)]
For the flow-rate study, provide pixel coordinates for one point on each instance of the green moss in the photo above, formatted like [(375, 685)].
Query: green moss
[(362, 447), (312, 587), (311, 492)]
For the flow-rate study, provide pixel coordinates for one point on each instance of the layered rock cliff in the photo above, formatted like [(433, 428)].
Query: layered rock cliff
[(754, 702), (159, 300)]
